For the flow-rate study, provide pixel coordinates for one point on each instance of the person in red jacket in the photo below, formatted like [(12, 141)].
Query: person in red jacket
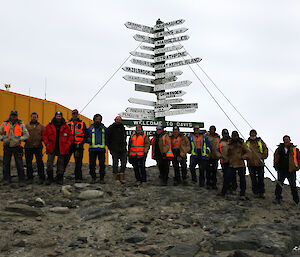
[(58, 138)]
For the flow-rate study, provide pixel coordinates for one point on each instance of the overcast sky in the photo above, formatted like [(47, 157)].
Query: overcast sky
[(250, 48)]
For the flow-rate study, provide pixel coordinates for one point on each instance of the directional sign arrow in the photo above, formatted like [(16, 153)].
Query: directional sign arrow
[(142, 88), (170, 94), (139, 27), (144, 39), (175, 64), (168, 24), (140, 62), (185, 106), (174, 112), (170, 101), (154, 123), (166, 49), (139, 71), (141, 101), (166, 80), (168, 74), (184, 83), (140, 110), (171, 40), (162, 107), (170, 32), (134, 115), (148, 48), (138, 79), (170, 57), (142, 55)]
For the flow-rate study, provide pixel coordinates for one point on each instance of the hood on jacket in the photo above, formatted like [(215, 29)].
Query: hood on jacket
[(250, 139), (240, 141)]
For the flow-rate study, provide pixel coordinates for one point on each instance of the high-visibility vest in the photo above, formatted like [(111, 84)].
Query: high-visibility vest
[(295, 157), (220, 146), (259, 144), (176, 143), (17, 132), (203, 146), (137, 147), (77, 131), (169, 154), (93, 139)]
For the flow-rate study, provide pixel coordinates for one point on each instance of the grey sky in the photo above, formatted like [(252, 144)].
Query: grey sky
[(250, 48)]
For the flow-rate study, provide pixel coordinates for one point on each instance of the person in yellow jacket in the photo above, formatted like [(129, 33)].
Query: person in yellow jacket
[(162, 153), (12, 132), (138, 147)]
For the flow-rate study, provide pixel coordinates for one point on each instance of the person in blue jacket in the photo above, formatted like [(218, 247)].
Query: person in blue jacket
[(97, 141), (200, 150)]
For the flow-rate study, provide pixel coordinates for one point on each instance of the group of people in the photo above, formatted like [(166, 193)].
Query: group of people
[(63, 139)]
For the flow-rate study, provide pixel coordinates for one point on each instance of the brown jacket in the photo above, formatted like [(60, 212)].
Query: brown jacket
[(11, 140), (184, 145), (224, 150), (35, 135), (293, 160), (237, 152), (214, 140), (256, 157), (164, 148), (146, 147)]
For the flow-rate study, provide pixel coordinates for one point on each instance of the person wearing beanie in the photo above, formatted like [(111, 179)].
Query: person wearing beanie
[(258, 153), (58, 138), (237, 152), (97, 138), (80, 134), (12, 132), (117, 145), (180, 147)]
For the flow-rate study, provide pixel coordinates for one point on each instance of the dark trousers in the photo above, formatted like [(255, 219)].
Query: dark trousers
[(230, 173), (139, 169), (202, 164), (123, 159), (211, 173), (60, 165), (17, 152), (257, 179), (37, 152), (291, 176), (176, 165), (164, 167), (78, 155), (93, 155)]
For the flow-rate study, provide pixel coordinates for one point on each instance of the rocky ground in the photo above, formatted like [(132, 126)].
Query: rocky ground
[(149, 220)]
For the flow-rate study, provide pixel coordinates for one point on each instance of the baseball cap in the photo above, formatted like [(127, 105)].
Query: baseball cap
[(159, 127), (14, 112), (75, 111)]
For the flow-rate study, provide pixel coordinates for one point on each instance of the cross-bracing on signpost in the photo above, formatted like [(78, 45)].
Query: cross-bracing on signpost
[(155, 64)]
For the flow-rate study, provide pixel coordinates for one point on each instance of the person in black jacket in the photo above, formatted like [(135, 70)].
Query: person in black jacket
[(116, 142)]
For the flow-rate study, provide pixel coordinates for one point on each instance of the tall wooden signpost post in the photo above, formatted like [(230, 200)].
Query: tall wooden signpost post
[(163, 50)]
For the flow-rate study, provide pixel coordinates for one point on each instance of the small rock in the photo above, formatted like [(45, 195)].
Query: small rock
[(144, 229), (60, 210), (149, 250), (135, 237), (81, 185), (20, 244), (40, 202), (38, 218), (65, 190), (24, 210), (184, 250), (46, 243), (90, 194)]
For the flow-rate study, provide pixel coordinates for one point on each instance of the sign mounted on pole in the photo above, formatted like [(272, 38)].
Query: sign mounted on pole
[(168, 24), (168, 74), (170, 32), (162, 107), (139, 71), (134, 115), (170, 101), (154, 123), (140, 110), (147, 48), (142, 55), (184, 106), (138, 79), (140, 62), (171, 94), (141, 101), (166, 49), (184, 83), (170, 57), (144, 39), (175, 112), (175, 64), (171, 40), (142, 88), (139, 27)]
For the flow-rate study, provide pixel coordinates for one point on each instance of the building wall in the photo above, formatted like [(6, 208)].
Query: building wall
[(25, 105)]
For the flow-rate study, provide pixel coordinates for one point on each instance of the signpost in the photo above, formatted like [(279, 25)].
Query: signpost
[(167, 49), (144, 39), (184, 83), (168, 74), (144, 63), (141, 101), (140, 110), (175, 112), (184, 106), (171, 40), (170, 57), (171, 94), (139, 71), (142, 88), (170, 32), (138, 79), (154, 123), (134, 115), (179, 63), (142, 55), (170, 101)]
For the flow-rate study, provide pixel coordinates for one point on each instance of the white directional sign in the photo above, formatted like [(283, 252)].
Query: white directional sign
[(139, 27), (162, 107), (170, 101), (142, 55), (142, 88), (139, 71), (168, 74), (175, 64), (134, 115), (148, 48), (185, 106), (168, 24), (170, 32), (144, 39), (140, 62), (141, 101), (138, 79), (170, 94), (160, 87), (171, 40), (170, 57), (165, 49), (174, 112), (140, 110)]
